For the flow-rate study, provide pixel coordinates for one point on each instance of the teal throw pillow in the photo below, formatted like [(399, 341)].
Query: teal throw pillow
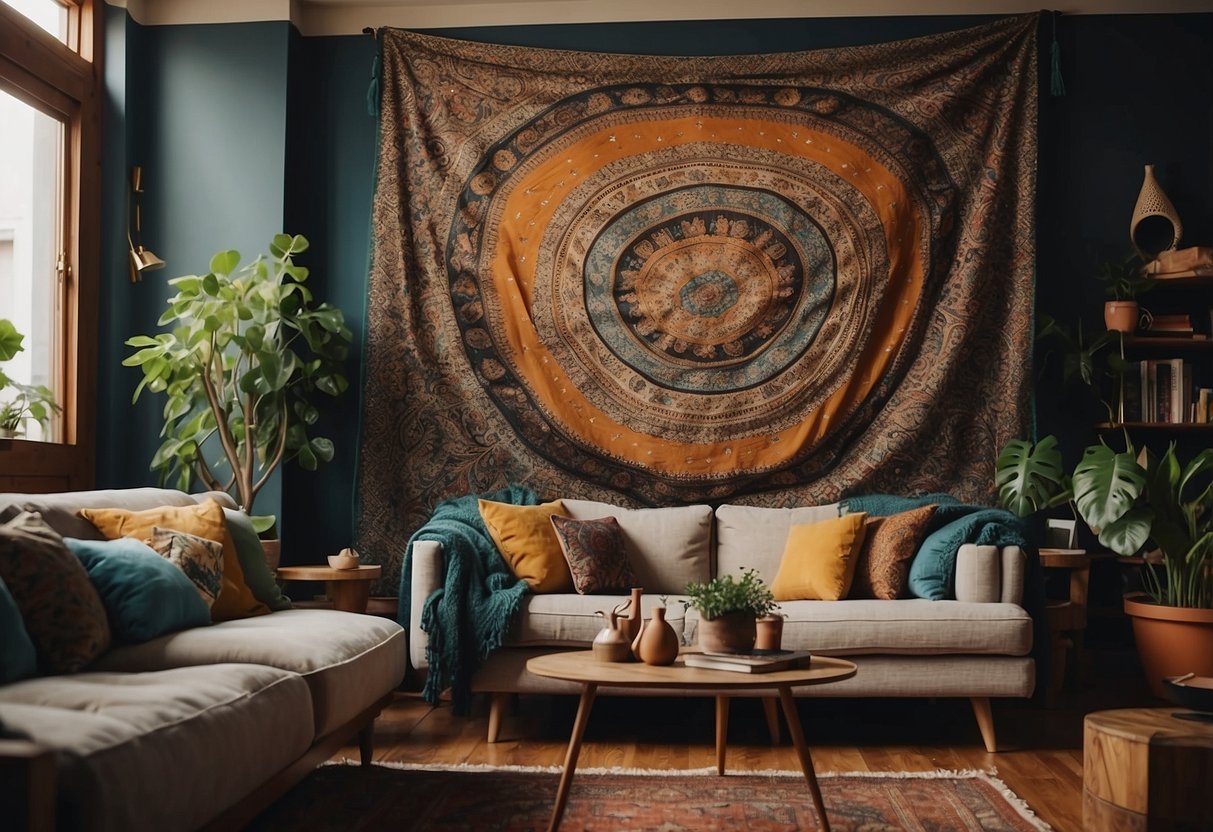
[(18, 659), (257, 575), (144, 595)]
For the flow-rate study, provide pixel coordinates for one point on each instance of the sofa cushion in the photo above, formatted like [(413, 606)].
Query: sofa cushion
[(144, 595), (883, 567), (667, 547), (596, 554), (166, 750), (348, 660), (527, 542), (62, 611), (749, 537), (203, 519), (572, 620), (819, 559), (912, 626), (201, 560), (18, 658)]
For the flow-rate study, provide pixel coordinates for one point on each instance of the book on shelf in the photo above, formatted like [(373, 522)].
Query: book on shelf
[(755, 661), (1168, 324), (1161, 391)]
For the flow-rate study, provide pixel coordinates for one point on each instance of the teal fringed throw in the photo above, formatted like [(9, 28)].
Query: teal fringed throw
[(468, 617)]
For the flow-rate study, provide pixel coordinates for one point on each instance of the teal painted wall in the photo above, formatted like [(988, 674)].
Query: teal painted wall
[(247, 129), (203, 110)]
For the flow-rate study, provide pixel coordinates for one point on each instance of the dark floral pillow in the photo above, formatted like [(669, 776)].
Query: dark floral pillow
[(62, 611), (596, 554)]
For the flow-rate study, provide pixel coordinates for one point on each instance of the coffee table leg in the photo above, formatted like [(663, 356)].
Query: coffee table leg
[(802, 751), (722, 731), (570, 757)]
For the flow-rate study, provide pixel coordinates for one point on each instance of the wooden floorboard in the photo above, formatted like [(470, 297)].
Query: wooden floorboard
[(1041, 761)]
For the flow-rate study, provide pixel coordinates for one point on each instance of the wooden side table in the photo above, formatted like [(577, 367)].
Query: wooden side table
[(1067, 618), (348, 589), (1143, 769)]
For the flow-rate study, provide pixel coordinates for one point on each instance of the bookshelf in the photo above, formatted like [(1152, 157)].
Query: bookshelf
[(1160, 392)]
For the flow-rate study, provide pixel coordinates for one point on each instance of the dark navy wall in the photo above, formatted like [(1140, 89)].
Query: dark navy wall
[(1140, 90)]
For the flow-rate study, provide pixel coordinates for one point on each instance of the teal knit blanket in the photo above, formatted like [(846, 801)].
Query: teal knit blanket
[(468, 617)]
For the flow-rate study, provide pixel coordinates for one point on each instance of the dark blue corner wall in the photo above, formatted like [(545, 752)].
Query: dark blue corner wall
[(248, 129)]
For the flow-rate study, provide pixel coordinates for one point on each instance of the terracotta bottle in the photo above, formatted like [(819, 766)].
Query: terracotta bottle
[(631, 615), (657, 642)]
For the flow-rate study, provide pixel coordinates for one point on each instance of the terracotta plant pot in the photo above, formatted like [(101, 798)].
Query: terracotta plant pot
[(770, 632), (732, 633), (1120, 315), (1171, 641)]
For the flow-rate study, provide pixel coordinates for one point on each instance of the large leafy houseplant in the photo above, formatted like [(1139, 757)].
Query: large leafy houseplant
[(18, 401), (1130, 500), (248, 353)]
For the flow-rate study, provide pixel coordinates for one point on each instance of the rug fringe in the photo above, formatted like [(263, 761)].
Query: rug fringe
[(989, 775)]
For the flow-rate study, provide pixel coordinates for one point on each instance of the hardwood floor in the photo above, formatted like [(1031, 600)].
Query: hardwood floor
[(1041, 761)]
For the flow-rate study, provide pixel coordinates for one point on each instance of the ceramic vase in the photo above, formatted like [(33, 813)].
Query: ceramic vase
[(1154, 217), (657, 642), (732, 633), (631, 615), (610, 645)]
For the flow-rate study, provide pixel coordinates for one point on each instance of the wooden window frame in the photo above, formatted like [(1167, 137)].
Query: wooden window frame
[(65, 81)]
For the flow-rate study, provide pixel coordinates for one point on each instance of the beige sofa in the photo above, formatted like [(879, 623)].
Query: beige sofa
[(198, 728), (976, 646)]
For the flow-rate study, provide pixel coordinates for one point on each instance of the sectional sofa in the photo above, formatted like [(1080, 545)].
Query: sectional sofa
[(976, 644), (200, 728)]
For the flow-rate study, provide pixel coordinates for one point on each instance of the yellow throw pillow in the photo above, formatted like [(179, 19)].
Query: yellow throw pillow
[(819, 560), (528, 543), (204, 519)]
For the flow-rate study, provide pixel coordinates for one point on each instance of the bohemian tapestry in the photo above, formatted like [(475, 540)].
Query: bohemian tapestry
[(772, 279)]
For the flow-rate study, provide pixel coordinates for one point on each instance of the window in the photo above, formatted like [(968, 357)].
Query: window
[(50, 231)]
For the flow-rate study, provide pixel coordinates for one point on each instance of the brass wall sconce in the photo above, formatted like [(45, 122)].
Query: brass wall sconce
[(141, 259)]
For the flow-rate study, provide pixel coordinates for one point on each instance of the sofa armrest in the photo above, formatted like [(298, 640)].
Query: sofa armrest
[(427, 577), (987, 574), (28, 774)]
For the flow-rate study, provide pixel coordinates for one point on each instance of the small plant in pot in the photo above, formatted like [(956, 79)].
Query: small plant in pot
[(728, 609), (18, 401), (1124, 280)]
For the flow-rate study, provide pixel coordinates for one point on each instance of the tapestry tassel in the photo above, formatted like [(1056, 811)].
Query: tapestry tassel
[(372, 91), (1057, 86)]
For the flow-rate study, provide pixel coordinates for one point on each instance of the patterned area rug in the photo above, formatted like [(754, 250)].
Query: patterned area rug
[(385, 797)]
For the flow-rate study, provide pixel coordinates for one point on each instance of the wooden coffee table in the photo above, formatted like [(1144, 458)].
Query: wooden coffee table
[(581, 666), (348, 589)]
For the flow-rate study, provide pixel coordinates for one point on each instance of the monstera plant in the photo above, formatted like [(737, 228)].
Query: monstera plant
[(247, 357)]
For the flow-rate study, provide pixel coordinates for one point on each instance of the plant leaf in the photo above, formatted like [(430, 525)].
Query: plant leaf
[(1106, 485)]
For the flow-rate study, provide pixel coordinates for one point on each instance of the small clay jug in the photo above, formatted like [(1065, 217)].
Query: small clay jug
[(657, 642), (610, 645)]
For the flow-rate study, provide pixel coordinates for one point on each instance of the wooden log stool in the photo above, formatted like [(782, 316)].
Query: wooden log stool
[(1144, 769)]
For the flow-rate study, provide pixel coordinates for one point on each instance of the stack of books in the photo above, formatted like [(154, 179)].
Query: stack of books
[(1178, 324), (754, 661)]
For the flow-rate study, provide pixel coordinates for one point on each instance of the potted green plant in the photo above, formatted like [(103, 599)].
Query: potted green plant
[(22, 401), (728, 608), (1124, 280), (1155, 506), (248, 354)]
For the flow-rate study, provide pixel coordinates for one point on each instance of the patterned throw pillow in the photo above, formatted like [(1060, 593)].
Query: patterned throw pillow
[(889, 547), (204, 519), (595, 551), (200, 559), (62, 611)]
